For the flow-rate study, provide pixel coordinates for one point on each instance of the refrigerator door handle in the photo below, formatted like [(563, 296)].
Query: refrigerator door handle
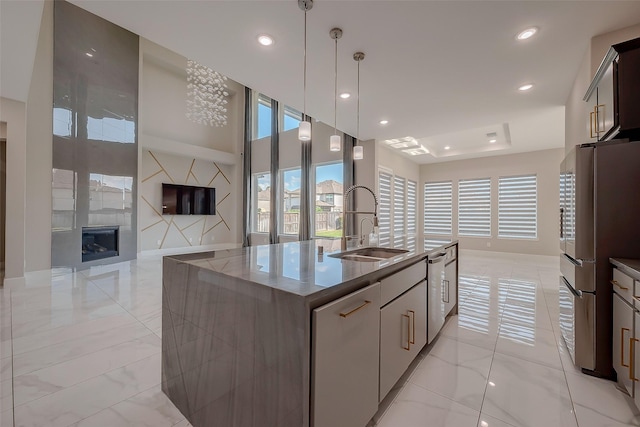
[(575, 292)]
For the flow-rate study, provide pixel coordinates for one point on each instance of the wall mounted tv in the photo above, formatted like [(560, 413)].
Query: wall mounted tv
[(188, 200)]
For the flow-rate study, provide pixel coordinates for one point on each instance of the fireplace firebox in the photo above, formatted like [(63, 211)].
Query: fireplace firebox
[(99, 242)]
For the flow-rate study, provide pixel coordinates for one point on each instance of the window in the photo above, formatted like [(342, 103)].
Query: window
[(384, 208), (438, 208), (261, 201), (518, 207), (263, 117), (396, 208), (328, 200), (474, 207), (411, 206), (399, 203), (291, 118), (290, 199)]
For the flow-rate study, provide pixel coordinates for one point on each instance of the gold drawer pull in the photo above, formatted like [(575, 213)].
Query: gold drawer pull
[(413, 340), (355, 309), (615, 282), (637, 297), (632, 369), (408, 347), (622, 346)]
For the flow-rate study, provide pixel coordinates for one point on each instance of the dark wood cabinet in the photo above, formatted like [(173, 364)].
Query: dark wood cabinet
[(614, 94)]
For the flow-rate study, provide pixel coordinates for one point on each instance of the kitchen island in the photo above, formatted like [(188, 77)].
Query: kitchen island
[(238, 325)]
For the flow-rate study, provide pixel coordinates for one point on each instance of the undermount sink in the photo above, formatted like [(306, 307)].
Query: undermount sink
[(370, 254)]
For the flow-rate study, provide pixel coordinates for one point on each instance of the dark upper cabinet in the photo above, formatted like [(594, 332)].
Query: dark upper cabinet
[(614, 94)]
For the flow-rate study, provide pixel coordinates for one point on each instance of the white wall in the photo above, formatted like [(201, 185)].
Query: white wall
[(545, 164), (39, 150), (171, 136), (13, 114)]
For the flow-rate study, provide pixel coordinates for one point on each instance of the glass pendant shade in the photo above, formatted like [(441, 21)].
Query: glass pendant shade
[(358, 152), (304, 131), (334, 143)]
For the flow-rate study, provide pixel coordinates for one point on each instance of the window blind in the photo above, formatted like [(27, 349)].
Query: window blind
[(411, 206), (384, 208), (437, 208), (474, 207), (518, 207), (399, 210)]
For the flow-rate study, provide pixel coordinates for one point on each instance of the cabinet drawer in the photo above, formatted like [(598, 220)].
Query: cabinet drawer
[(400, 282), (623, 286)]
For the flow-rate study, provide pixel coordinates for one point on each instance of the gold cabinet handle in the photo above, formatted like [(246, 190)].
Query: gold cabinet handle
[(408, 347), (615, 282), (632, 369), (591, 116), (413, 313), (636, 297), (622, 346), (355, 309), (598, 130)]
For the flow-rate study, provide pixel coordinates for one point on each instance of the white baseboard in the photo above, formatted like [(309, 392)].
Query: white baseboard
[(510, 255), (14, 281)]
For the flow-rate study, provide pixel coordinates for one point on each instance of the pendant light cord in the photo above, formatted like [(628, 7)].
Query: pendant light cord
[(358, 108), (304, 103), (335, 93)]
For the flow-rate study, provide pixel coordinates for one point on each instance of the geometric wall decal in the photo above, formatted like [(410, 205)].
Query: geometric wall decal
[(159, 231)]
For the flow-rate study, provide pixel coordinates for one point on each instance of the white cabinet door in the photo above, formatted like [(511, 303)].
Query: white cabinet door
[(450, 287), (345, 361), (623, 317), (403, 333), (435, 301)]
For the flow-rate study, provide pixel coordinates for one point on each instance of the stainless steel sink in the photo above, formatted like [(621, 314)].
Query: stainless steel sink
[(370, 254)]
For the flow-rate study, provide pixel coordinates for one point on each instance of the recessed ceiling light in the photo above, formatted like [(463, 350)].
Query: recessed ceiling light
[(384, 122), (525, 34), (525, 87), (447, 147), (89, 54), (492, 140), (345, 95), (265, 40)]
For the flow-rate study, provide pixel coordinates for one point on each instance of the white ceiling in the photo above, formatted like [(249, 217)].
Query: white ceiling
[(439, 71)]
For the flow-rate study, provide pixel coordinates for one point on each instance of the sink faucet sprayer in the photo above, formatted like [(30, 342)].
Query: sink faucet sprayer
[(343, 242)]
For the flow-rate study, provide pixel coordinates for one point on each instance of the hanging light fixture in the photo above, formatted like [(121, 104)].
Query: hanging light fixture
[(358, 151), (304, 129), (335, 141)]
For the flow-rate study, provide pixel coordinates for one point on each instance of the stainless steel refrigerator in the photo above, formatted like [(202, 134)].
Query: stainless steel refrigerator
[(599, 219)]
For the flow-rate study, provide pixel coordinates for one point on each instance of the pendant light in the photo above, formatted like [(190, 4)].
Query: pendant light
[(335, 140), (304, 129), (358, 151)]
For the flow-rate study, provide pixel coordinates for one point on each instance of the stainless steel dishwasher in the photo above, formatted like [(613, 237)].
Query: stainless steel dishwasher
[(435, 301)]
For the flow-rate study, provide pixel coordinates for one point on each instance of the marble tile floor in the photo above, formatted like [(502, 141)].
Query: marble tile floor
[(83, 349)]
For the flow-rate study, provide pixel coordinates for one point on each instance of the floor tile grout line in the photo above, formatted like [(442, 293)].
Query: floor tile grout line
[(124, 400), (84, 381)]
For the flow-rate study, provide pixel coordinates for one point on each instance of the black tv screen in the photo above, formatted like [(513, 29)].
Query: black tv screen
[(188, 200)]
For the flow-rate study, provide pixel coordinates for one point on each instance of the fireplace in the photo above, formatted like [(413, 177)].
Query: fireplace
[(99, 242)]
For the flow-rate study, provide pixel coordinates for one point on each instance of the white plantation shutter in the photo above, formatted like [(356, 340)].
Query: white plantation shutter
[(517, 207), (437, 208), (474, 207), (399, 210), (384, 208), (411, 206)]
